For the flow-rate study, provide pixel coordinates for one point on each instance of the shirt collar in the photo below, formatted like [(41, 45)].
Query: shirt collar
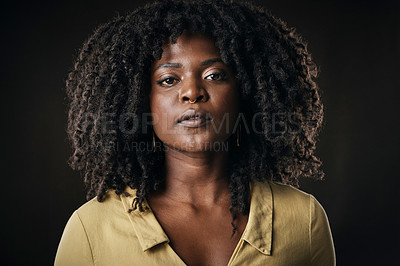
[(258, 231), (145, 224)]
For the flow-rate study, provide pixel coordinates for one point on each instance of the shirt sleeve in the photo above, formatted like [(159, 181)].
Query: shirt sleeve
[(321, 242), (74, 247)]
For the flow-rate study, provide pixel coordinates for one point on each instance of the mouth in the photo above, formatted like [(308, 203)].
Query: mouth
[(194, 118)]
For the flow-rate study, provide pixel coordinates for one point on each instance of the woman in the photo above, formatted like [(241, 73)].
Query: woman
[(189, 121)]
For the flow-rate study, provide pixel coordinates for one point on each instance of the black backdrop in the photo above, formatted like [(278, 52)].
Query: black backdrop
[(356, 45)]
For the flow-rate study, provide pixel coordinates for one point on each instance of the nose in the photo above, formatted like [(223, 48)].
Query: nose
[(192, 92)]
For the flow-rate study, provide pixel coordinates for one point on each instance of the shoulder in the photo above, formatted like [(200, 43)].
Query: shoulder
[(94, 207), (100, 232), (287, 192), (113, 209), (290, 202), (299, 220), (105, 220)]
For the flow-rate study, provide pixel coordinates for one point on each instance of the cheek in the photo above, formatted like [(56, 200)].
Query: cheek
[(227, 104), (161, 113)]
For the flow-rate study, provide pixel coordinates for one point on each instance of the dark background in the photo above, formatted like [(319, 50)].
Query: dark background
[(356, 45)]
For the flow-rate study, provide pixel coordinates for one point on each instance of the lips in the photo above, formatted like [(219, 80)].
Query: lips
[(194, 118)]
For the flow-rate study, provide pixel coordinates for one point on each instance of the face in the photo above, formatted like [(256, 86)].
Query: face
[(193, 99)]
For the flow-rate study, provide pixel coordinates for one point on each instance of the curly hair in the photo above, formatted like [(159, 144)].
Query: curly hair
[(275, 77)]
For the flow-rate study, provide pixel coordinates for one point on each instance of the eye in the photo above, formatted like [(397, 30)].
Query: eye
[(218, 76), (169, 81)]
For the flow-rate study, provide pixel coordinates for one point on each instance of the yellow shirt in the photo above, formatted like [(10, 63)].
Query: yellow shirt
[(285, 227)]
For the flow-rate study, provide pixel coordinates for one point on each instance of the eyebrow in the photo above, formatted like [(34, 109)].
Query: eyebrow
[(177, 65), (211, 61)]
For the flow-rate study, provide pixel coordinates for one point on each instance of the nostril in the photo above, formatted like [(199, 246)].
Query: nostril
[(200, 98)]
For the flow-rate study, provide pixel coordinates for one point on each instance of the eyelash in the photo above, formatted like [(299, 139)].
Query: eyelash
[(222, 76), (161, 81)]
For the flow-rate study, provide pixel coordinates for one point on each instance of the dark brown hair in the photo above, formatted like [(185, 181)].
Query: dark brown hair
[(278, 95)]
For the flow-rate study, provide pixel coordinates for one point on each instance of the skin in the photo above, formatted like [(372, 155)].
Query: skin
[(193, 207)]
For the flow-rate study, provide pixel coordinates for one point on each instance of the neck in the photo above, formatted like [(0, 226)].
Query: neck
[(197, 178)]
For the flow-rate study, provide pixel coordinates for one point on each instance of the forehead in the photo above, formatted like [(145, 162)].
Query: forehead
[(190, 44)]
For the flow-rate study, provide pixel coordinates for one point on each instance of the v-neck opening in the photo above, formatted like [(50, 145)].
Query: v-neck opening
[(238, 245), (257, 231)]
